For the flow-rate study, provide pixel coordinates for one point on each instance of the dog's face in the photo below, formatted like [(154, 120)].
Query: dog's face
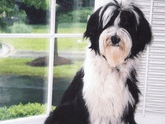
[(118, 32)]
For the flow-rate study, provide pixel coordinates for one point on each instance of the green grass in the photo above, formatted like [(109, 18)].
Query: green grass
[(35, 44), (67, 70), (72, 28), (72, 44), (40, 28), (42, 44), (17, 66)]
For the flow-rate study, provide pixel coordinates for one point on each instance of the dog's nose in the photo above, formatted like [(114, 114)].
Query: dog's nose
[(115, 39)]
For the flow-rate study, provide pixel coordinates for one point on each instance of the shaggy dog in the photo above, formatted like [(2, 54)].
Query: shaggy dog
[(105, 90)]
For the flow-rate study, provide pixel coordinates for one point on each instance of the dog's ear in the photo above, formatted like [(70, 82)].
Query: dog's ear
[(93, 31), (101, 19), (143, 34), (92, 25)]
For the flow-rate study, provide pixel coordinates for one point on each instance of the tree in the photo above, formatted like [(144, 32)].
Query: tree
[(69, 5), (6, 10), (40, 4), (7, 7), (36, 10)]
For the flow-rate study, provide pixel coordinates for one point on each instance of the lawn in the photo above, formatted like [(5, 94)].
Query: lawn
[(67, 70), (34, 44), (71, 28), (72, 44), (40, 28), (42, 44), (17, 66)]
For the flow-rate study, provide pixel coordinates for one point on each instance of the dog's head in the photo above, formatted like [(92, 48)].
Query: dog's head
[(118, 31)]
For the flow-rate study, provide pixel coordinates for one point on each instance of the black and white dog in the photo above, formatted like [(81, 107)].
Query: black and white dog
[(105, 90)]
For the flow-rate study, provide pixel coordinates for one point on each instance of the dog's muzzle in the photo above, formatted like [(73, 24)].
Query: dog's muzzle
[(115, 45)]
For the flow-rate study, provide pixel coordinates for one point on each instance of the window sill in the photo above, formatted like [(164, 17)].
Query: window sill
[(41, 118), (26, 120)]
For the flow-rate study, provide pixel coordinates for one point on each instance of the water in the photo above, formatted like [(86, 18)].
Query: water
[(1, 48), (15, 89)]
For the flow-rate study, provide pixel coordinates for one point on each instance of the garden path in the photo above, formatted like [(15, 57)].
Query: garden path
[(9, 51), (35, 54)]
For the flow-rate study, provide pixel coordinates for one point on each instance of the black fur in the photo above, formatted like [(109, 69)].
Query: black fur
[(72, 109), (128, 115)]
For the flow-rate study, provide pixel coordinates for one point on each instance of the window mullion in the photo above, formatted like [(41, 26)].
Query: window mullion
[(51, 56), (40, 35)]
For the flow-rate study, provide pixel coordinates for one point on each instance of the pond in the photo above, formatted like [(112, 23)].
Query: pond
[(15, 89)]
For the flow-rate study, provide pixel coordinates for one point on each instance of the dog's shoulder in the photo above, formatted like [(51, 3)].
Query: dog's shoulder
[(71, 109), (74, 88)]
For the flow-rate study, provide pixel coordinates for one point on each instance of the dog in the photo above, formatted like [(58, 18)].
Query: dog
[(105, 90)]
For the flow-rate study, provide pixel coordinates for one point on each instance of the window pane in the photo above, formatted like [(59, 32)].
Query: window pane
[(23, 77), (70, 54), (19, 16), (72, 15)]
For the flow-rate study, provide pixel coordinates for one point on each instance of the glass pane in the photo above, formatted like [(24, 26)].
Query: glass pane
[(24, 16), (72, 15), (23, 77), (70, 54)]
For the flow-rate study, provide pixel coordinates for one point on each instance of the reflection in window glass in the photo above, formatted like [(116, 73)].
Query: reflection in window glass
[(24, 16), (23, 77), (72, 15), (70, 54)]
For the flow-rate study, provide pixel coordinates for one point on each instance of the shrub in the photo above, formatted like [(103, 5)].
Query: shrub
[(21, 110), (81, 15), (4, 114), (20, 28)]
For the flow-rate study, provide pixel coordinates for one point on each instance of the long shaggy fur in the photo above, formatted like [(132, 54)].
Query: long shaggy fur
[(105, 90)]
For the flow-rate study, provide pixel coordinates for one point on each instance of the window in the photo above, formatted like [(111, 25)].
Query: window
[(58, 43), (61, 42)]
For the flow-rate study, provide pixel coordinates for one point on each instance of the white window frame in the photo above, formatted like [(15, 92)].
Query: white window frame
[(39, 119)]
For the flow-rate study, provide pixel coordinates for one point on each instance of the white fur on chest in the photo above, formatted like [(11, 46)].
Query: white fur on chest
[(104, 90)]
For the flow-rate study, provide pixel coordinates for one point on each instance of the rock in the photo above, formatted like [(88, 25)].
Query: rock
[(43, 61)]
